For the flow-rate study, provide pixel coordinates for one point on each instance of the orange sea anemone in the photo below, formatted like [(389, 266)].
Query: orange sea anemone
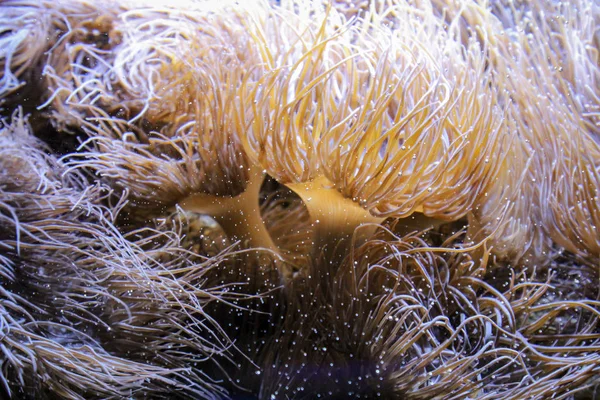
[(354, 147)]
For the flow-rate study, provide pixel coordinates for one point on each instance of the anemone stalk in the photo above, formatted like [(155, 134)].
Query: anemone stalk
[(239, 216), (334, 218)]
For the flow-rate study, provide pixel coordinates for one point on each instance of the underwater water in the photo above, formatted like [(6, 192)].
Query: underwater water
[(393, 199)]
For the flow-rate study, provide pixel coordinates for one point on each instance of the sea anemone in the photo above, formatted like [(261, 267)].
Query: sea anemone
[(555, 164), (349, 145), (78, 271), (23, 39), (168, 129), (299, 199), (402, 319)]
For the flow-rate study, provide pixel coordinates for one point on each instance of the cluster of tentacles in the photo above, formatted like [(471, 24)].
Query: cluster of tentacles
[(393, 199)]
